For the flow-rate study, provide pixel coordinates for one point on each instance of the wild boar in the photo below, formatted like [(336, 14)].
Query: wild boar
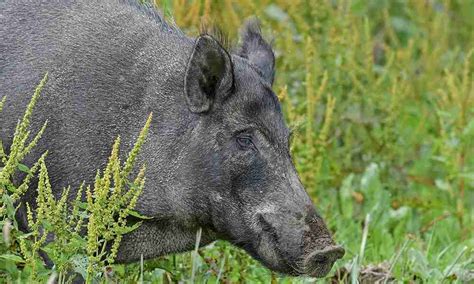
[(217, 153)]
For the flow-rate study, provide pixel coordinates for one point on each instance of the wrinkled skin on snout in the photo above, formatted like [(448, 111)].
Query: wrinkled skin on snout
[(255, 197)]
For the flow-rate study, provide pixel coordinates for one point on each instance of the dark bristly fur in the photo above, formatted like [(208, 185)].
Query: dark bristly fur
[(256, 49), (217, 152), (216, 32)]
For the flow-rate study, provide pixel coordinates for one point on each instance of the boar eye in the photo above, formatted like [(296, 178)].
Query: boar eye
[(244, 142)]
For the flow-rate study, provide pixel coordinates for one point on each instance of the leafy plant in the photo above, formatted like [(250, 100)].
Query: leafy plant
[(82, 237)]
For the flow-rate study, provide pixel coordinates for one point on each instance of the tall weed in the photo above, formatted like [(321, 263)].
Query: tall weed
[(79, 238)]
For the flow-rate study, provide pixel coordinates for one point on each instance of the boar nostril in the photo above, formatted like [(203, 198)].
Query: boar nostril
[(319, 263), (320, 258), (336, 252), (328, 254)]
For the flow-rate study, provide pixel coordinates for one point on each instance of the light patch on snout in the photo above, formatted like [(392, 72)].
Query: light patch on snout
[(261, 210), (264, 209), (217, 197)]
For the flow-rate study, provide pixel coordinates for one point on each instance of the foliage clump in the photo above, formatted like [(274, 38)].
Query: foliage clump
[(77, 237)]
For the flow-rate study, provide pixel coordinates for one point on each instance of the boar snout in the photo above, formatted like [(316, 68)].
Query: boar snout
[(302, 240), (320, 250)]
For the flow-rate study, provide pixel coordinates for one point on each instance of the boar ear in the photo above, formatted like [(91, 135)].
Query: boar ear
[(209, 75), (256, 50)]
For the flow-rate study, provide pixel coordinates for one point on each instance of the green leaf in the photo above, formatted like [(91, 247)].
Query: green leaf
[(80, 204), (346, 196), (138, 215), (23, 168), (25, 236), (128, 229), (78, 241), (12, 257), (8, 202), (79, 264)]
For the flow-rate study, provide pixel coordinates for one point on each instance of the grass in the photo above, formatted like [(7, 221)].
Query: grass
[(380, 96)]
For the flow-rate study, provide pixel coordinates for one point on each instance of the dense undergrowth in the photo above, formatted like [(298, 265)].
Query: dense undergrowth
[(380, 96)]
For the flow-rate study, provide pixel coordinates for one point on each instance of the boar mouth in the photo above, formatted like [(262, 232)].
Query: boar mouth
[(314, 263), (271, 233)]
